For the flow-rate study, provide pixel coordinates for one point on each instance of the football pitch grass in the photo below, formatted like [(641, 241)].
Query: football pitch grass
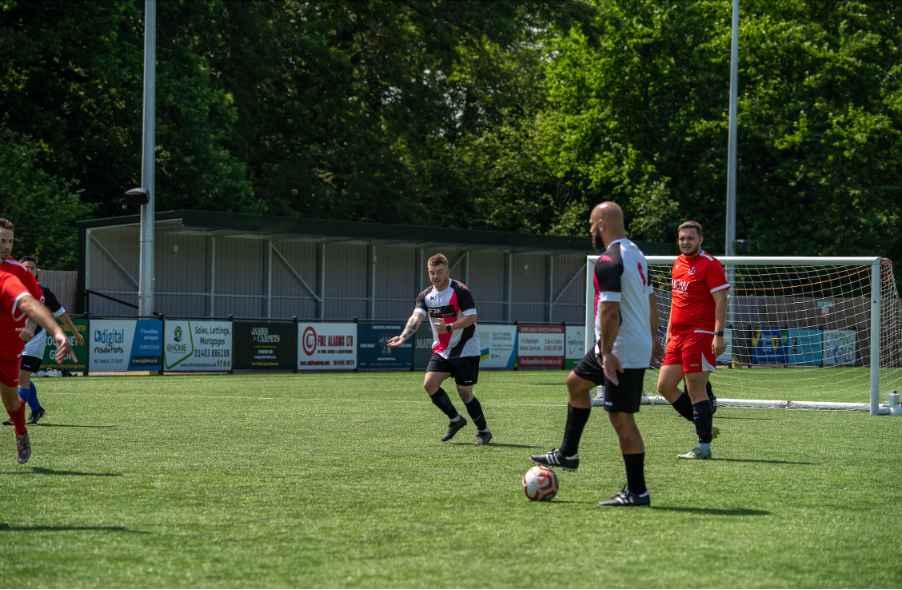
[(342, 481)]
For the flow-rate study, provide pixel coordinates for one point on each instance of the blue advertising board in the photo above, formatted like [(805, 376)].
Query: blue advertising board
[(126, 345), (803, 346), (768, 347), (373, 351)]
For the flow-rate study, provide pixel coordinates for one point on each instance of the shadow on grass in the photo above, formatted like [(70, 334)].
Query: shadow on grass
[(74, 426), (739, 418), (113, 529), (714, 511), (45, 471), (763, 461), (491, 444)]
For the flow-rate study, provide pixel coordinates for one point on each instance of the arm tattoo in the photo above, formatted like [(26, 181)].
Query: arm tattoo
[(409, 328)]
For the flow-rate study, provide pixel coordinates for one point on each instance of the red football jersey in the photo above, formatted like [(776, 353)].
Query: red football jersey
[(18, 270), (11, 291), (694, 280)]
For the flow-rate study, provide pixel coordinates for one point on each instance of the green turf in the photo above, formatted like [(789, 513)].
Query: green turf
[(341, 481)]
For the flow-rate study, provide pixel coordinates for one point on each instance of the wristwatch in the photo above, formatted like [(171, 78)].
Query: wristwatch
[(448, 329), (718, 333)]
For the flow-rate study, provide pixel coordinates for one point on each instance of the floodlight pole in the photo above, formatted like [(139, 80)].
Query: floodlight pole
[(731, 152), (731, 163), (145, 277)]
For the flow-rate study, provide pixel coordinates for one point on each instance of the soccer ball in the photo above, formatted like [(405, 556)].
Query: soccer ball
[(540, 483)]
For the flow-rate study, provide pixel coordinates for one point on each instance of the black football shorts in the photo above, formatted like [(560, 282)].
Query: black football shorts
[(624, 397), (465, 370)]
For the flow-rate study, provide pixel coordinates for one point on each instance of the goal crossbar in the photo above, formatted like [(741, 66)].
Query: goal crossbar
[(876, 279)]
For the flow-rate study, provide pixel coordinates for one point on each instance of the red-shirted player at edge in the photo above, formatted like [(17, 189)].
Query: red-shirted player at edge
[(695, 335), (20, 296)]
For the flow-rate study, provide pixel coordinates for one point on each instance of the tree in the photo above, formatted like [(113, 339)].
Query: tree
[(43, 207)]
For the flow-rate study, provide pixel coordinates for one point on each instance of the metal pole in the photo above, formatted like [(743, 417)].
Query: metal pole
[(731, 168), (145, 279), (875, 337), (731, 153)]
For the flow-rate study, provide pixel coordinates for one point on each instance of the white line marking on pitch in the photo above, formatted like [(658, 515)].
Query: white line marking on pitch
[(151, 395)]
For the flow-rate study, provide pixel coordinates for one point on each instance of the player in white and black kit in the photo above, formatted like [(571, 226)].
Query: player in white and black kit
[(626, 327), (33, 355), (455, 346)]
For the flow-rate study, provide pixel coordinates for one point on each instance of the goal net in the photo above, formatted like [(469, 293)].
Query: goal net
[(807, 333)]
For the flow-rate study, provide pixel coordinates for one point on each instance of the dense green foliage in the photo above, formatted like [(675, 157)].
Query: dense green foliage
[(300, 481), (494, 114)]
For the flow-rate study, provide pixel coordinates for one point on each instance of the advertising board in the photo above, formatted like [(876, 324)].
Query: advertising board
[(839, 347), (373, 351), (726, 358), (575, 345), (81, 352), (327, 347), (803, 346), (422, 345), (126, 345), (767, 347), (498, 346), (264, 346), (540, 347), (197, 345)]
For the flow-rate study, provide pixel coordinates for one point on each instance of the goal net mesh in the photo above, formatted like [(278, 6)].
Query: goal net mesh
[(800, 332)]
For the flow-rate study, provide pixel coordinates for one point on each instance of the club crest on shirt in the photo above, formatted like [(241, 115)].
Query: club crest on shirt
[(692, 270), (606, 258)]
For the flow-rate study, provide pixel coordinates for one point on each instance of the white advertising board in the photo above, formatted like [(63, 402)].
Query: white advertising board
[(498, 346), (197, 346), (327, 347), (839, 347), (575, 345), (541, 346)]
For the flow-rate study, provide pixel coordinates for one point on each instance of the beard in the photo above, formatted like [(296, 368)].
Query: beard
[(598, 242), (698, 248)]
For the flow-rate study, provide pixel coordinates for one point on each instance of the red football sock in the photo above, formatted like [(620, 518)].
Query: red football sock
[(18, 418)]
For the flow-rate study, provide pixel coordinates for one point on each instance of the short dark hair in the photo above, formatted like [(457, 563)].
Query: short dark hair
[(25, 259), (438, 260), (691, 225), (7, 224)]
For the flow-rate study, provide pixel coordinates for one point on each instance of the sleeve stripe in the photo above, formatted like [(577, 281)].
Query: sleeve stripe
[(59, 312), (724, 286), (16, 306), (420, 311), (609, 296), (469, 311)]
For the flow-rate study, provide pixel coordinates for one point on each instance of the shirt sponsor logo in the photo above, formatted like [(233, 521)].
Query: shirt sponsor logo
[(680, 285)]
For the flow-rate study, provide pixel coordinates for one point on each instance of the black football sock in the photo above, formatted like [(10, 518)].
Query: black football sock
[(576, 422), (443, 402), (703, 418), (683, 405), (635, 473), (474, 409)]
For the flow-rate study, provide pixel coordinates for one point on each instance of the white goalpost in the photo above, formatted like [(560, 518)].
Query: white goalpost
[(820, 333)]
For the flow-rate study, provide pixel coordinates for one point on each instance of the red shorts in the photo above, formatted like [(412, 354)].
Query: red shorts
[(9, 372), (692, 350)]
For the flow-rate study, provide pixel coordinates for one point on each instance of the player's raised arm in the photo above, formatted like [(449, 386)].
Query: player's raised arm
[(39, 314), (412, 325)]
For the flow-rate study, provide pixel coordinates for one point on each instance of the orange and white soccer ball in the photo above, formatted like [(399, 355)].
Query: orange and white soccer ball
[(540, 483)]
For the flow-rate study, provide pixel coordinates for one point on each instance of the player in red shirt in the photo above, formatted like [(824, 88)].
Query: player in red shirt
[(695, 335), (17, 302)]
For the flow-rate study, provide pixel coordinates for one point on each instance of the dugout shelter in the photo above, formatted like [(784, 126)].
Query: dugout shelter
[(210, 264)]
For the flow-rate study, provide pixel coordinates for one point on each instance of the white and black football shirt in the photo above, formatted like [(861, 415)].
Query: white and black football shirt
[(448, 305), (621, 274)]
